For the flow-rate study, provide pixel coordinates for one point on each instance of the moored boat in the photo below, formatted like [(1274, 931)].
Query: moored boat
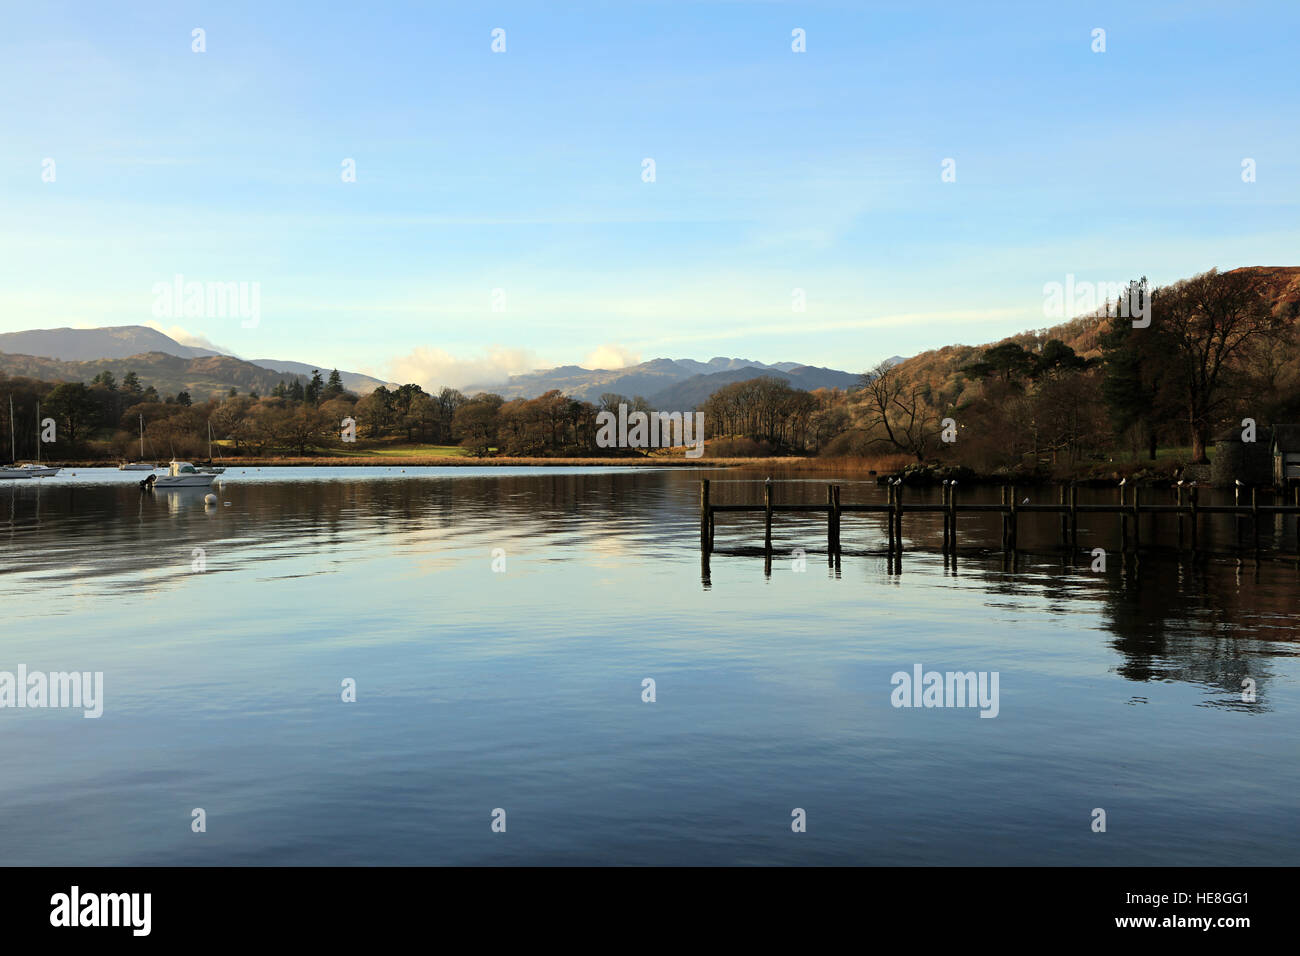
[(138, 465), (9, 471), (180, 474), (36, 470)]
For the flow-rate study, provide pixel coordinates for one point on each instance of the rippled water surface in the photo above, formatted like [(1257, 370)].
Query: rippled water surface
[(522, 690)]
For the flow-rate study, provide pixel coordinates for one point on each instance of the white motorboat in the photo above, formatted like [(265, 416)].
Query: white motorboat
[(180, 474), (36, 471), (138, 465)]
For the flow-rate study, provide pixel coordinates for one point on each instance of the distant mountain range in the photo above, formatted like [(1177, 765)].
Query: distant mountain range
[(203, 377), (161, 361), (57, 353), (670, 384)]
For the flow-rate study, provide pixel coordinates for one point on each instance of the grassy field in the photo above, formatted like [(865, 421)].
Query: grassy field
[(399, 451)]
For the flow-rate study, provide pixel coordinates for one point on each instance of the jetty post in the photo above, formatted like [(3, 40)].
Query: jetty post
[(898, 519), (943, 511), (952, 517), (1178, 503), (889, 515), (1074, 516), (1254, 518), (1005, 522), (1065, 516), (1236, 513), (832, 519), (1137, 520), (1014, 529), (767, 517), (1123, 520), (1194, 495), (706, 516)]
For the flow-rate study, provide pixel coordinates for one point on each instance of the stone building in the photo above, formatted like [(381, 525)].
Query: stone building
[(1250, 462)]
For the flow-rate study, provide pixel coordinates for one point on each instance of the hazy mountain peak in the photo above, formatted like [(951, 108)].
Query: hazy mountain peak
[(125, 341)]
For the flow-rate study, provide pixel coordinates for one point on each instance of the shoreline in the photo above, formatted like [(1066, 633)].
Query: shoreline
[(466, 462)]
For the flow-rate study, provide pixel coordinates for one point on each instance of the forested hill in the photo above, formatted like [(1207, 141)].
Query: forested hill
[(203, 377), (941, 369)]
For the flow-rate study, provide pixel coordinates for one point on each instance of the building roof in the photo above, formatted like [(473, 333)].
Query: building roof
[(1286, 438)]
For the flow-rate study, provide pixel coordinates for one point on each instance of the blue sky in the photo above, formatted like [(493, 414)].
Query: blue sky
[(522, 171)]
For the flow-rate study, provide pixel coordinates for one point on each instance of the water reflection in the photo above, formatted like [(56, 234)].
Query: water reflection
[(482, 688)]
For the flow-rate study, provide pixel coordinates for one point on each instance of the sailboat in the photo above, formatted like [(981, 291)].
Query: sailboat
[(209, 468), (38, 470), (10, 471), (137, 465)]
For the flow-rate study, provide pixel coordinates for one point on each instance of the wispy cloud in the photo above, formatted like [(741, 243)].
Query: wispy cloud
[(184, 336)]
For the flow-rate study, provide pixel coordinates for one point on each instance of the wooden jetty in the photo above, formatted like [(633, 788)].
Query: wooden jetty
[(1130, 508)]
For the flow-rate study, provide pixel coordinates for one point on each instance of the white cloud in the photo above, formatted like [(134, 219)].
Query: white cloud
[(611, 357), (433, 368), (185, 337)]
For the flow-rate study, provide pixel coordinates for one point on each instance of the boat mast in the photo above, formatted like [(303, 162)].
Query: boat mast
[(142, 437), (13, 445), (38, 433)]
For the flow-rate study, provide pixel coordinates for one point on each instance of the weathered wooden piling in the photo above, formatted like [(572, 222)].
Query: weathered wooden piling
[(1123, 521), (1012, 526), (767, 516), (1236, 515), (1137, 521), (1254, 518), (898, 518), (1194, 495), (832, 519), (1178, 503), (952, 517), (943, 506), (1065, 516), (706, 517), (1074, 516), (1005, 523)]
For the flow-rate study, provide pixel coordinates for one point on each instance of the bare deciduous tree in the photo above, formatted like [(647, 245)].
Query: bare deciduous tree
[(900, 409)]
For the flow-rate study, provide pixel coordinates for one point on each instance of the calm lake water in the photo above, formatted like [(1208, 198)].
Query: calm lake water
[(522, 689)]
